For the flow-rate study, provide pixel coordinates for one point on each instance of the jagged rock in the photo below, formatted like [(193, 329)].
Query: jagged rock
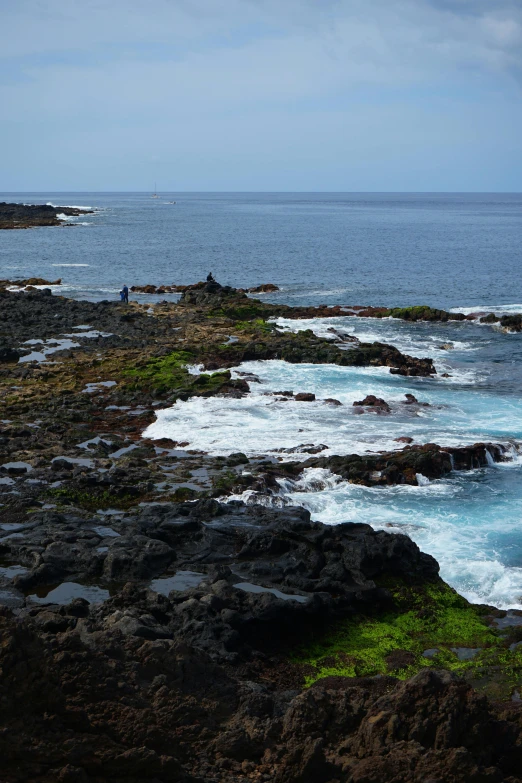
[(211, 294), (371, 401), (402, 467)]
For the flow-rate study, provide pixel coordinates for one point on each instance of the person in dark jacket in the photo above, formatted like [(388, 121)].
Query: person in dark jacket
[(125, 291), (210, 278)]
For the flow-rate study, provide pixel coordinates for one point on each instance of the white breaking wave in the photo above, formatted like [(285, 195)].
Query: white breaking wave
[(442, 518), (68, 206), (505, 309), (194, 369), (369, 330), (262, 423), (71, 264), (310, 480), (462, 520)]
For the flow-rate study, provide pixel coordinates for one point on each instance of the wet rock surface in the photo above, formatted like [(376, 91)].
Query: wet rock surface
[(429, 461), (149, 631), (403, 467)]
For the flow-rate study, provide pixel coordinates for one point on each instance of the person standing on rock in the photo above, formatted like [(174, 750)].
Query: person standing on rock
[(125, 294)]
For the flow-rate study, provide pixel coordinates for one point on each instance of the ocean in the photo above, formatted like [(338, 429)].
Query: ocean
[(456, 251), (447, 250)]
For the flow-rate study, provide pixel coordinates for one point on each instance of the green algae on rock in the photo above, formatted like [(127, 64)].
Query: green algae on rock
[(427, 628)]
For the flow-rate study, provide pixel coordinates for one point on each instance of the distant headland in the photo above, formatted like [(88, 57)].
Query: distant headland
[(37, 215)]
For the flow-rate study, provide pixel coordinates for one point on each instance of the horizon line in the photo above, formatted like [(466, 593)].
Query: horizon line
[(349, 192)]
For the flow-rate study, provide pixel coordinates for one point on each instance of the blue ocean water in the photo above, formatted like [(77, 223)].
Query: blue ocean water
[(393, 249), (447, 250)]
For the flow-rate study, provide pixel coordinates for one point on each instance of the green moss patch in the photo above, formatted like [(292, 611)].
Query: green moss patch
[(164, 373), (432, 618), (169, 374), (419, 313), (225, 481), (258, 325), (91, 501)]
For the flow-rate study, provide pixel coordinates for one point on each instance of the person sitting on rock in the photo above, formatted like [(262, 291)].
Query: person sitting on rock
[(125, 291), (210, 278)]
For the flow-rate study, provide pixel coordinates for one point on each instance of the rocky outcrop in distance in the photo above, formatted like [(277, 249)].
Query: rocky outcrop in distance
[(29, 283), (264, 288), (14, 216)]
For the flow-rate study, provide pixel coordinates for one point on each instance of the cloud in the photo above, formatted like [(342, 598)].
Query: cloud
[(398, 30), (140, 78)]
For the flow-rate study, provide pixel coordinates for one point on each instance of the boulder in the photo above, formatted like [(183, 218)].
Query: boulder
[(371, 401), (8, 355), (265, 288)]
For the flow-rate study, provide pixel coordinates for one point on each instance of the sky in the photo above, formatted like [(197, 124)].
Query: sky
[(261, 95)]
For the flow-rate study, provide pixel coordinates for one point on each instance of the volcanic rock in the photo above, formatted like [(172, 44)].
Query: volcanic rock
[(265, 288), (34, 215), (371, 401)]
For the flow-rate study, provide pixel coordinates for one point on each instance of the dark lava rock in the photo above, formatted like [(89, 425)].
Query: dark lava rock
[(33, 215), (511, 323), (432, 727), (238, 458), (371, 401), (8, 355), (265, 288), (211, 294), (30, 282), (304, 397), (277, 548), (96, 704), (402, 467)]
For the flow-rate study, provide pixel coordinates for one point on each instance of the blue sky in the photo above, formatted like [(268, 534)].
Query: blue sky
[(332, 95)]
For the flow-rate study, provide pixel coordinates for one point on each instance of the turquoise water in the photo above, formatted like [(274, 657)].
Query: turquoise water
[(471, 522)]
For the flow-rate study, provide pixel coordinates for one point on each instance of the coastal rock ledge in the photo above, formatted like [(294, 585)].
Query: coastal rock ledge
[(201, 678)]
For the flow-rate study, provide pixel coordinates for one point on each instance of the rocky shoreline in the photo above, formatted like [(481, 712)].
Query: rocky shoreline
[(13, 216), (509, 323), (151, 631)]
